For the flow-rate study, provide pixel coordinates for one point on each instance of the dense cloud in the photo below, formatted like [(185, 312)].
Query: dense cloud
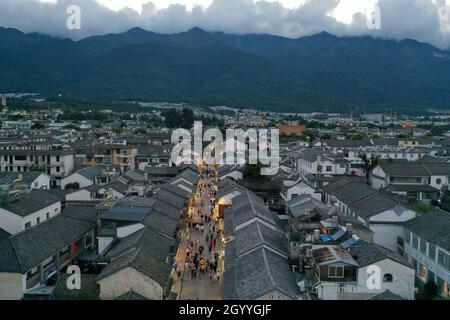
[(423, 20)]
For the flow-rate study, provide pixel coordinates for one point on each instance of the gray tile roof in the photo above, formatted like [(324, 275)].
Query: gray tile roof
[(405, 169), (377, 203), (369, 253), (258, 273), (126, 213), (81, 213), (432, 226), (349, 190), (305, 203), (27, 249), (257, 234), (227, 186), (131, 295), (36, 152), (386, 295), (31, 202), (27, 176), (157, 244), (117, 186), (91, 172), (89, 288), (188, 175), (412, 188), (248, 206), (162, 171), (144, 262), (4, 234), (162, 223)]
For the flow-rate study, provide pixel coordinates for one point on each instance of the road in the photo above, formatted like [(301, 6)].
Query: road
[(200, 287)]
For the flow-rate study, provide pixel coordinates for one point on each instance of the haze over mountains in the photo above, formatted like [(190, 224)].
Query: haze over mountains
[(264, 71)]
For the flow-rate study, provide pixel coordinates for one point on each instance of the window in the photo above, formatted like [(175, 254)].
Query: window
[(387, 277), (38, 220), (329, 168), (27, 225), (423, 246), (408, 237), (438, 181), (58, 169), (47, 215), (432, 252), (444, 259), (57, 158), (415, 242), (335, 272), (20, 158)]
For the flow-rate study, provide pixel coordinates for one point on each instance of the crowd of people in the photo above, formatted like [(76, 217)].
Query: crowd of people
[(203, 257)]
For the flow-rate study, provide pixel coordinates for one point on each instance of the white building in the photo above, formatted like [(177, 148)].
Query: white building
[(28, 210), (56, 163), (349, 275)]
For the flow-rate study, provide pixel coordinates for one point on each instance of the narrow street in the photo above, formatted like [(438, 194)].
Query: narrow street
[(198, 259)]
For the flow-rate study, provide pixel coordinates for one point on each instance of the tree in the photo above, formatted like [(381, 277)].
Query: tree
[(437, 131), (252, 172), (140, 131), (187, 116), (369, 163), (73, 186), (172, 119), (37, 126)]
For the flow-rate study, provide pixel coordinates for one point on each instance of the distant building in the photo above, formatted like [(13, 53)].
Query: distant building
[(56, 163), (292, 129), (14, 183), (4, 104), (373, 117)]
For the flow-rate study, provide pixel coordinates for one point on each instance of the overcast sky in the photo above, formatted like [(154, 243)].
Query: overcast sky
[(423, 20)]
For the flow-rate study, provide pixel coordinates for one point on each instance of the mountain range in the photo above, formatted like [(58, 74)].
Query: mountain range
[(317, 72)]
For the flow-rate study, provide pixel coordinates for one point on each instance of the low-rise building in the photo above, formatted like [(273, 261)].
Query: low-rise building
[(30, 258), (426, 244), (28, 210)]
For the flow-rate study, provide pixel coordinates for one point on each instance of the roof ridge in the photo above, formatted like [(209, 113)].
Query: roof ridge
[(426, 169), (272, 280), (17, 255)]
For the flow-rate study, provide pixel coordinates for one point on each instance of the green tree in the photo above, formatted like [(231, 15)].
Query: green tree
[(253, 172), (369, 163), (37, 126), (172, 119), (187, 116)]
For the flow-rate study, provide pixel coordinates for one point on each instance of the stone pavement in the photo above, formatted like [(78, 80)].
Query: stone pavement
[(201, 287)]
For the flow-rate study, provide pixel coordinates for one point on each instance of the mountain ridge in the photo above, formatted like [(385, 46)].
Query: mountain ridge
[(253, 70)]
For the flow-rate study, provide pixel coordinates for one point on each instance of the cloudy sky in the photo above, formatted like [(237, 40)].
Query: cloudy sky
[(423, 20)]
